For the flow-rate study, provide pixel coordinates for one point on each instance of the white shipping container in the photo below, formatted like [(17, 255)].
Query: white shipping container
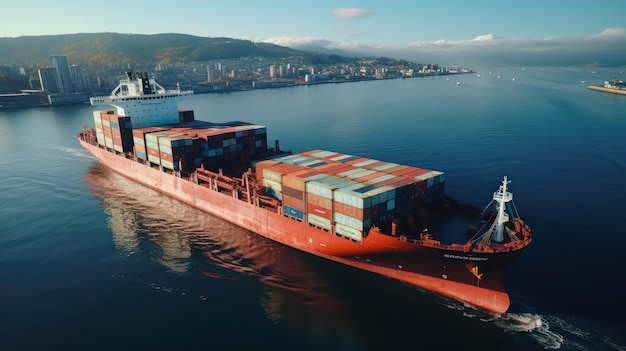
[(365, 163), (350, 232), (272, 175), (382, 178), (97, 119), (152, 145), (316, 220), (323, 186), (431, 178), (154, 159), (364, 173), (165, 149), (382, 168), (351, 172), (139, 141), (339, 158), (321, 154), (277, 187), (347, 220)]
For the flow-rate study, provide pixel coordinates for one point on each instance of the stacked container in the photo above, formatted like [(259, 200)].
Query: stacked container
[(113, 131), (227, 142), (327, 189), (139, 140)]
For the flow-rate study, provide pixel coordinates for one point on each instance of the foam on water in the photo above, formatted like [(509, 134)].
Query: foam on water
[(73, 151)]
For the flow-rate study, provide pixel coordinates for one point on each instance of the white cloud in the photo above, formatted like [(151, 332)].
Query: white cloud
[(297, 41), (486, 37), (612, 32), (608, 44), (351, 13)]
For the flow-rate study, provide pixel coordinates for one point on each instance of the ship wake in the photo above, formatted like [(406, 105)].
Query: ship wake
[(554, 332)]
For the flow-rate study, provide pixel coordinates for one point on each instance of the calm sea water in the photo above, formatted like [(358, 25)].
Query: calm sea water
[(92, 261)]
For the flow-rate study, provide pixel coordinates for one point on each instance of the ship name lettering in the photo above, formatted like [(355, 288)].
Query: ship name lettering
[(469, 258)]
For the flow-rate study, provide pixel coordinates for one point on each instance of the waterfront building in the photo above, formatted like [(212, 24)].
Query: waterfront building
[(64, 78), (48, 79)]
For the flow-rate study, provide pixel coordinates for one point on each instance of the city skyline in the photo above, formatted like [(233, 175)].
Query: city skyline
[(411, 30)]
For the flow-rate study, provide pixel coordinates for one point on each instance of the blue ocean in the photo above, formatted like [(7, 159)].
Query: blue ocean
[(92, 261)]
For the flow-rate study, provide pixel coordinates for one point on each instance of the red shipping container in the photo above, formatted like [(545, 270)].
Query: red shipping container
[(350, 211), (153, 152), (319, 211), (415, 173)]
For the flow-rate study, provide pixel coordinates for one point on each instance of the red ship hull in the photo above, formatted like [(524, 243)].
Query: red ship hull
[(474, 278)]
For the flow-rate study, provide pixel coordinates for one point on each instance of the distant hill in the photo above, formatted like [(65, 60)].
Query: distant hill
[(104, 49)]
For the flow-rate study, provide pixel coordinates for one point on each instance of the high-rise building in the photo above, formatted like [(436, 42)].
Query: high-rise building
[(77, 77), (48, 79), (64, 79), (209, 71)]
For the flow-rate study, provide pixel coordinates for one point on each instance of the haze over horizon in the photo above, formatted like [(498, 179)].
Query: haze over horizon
[(448, 32)]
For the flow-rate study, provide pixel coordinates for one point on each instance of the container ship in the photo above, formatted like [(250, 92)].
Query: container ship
[(361, 212)]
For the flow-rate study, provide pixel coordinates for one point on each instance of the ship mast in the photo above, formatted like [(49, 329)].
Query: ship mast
[(497, 219), (502, 196)]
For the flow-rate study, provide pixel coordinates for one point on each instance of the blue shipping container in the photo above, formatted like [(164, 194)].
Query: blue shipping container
[(290, 211)]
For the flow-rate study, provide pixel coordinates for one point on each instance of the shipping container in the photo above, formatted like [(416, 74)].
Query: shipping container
[(348, 232), (320, 201), (365, 163), (292, 202), (317, 221), (293, 212), (355, 161), (320, 210), (297, 180), (385, 167), (324, 154)]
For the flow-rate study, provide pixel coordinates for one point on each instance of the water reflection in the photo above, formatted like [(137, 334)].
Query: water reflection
[(177, 236)]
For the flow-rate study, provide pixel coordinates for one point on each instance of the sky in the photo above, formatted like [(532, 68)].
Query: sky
[(473, 29)]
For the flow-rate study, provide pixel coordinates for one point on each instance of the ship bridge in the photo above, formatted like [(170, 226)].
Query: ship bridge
[(146, 102)]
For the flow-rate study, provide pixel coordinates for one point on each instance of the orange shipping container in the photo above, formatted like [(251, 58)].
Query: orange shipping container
[(395, 169), (293, 203), (415, 173), (313, 199), (350, 211)]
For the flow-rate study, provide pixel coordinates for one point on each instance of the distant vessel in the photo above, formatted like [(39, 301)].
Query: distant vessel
[(361, 212), (458, 84)]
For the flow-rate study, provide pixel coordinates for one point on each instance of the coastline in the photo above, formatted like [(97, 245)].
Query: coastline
[(608, 90), (231, 90)]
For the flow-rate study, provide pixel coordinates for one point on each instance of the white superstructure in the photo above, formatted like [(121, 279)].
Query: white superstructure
[(146, 102)]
